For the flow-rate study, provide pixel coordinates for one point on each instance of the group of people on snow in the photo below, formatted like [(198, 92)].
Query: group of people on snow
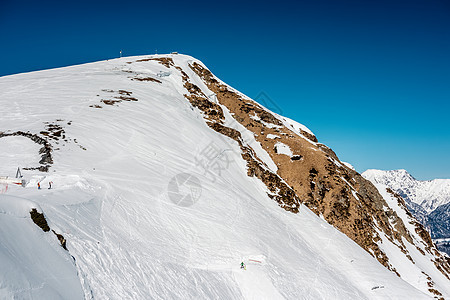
[(49, 185)]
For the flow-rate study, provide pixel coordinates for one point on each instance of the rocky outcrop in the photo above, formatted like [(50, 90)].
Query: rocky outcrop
[(116, 97), (39, 219)]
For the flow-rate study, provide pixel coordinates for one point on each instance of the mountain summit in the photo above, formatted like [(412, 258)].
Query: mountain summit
[(165, 179)]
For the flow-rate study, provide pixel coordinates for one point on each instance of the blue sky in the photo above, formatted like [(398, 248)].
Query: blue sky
[(370, 78)]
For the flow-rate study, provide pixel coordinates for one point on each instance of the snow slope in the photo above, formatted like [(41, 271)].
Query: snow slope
[(155, 204), (32, 264)]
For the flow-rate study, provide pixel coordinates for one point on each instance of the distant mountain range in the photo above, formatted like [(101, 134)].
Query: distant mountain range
[(428, 201)]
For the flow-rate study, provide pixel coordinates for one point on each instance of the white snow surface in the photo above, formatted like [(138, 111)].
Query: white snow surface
[(16, 151), (429, 194), (348, 165), (272, 136), (283, 149), (130, 237), (32, 264)]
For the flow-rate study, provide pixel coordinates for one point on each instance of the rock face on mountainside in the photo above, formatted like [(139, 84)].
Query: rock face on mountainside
[(136, 103), (428, 201)]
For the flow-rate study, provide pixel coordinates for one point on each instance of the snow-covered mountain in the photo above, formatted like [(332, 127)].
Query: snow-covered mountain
[(164, 179), (429, 194), (429, 201)]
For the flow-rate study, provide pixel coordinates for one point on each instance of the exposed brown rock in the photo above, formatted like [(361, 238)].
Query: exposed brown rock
[(123, 96), (150, 79), (110, 102), (54, 131), (126, 98), (442, 263), (61, 239), (435, 292), (165, 61), (39, 220), (123, 92)]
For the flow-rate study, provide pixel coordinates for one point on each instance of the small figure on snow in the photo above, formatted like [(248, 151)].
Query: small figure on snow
[(50, 185), (242, 265), (39, 185)]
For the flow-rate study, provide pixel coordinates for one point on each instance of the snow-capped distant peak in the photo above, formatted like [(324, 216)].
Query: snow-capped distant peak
[(429, 194)]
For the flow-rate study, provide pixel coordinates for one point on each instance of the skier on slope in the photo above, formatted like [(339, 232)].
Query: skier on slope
[(242, 265)]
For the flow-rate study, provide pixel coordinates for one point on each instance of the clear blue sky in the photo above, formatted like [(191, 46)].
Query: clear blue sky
[(370, 78)]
